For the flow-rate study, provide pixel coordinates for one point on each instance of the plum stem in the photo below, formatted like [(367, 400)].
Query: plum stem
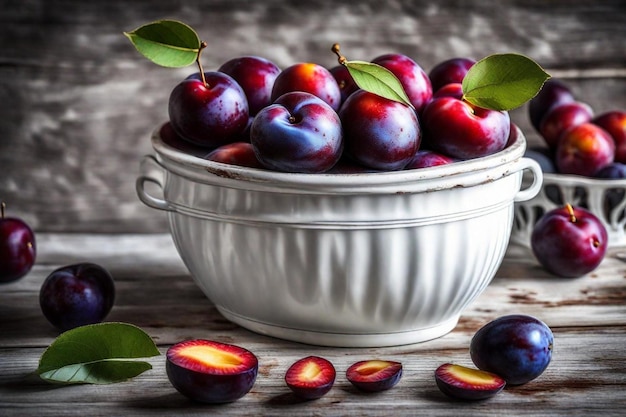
[(340, 58), (570, 211), (203, 45), (2, 207)]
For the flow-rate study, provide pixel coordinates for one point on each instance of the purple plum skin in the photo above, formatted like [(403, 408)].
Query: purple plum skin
[(380, 134), (17, 249), (209, 116), (298, 133), (450, 90), (562, 118), (310, 78), (425, 158), (515, 347), (256, 76), (345, 81), (412, 77), (614, 122), (584, 150), (77, 295), (460, 130), (569, 248), (553, 93), (452, 70), (236, 153)]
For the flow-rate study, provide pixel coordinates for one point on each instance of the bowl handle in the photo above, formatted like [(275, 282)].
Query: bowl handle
[(151, 171), (533, 189)]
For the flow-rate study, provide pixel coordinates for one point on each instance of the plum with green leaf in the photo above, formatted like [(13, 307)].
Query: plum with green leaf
[(413, 78), (462, 130), (208, 109), (478, 124)]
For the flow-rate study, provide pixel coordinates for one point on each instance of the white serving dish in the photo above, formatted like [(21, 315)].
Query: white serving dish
[(606, 198), (361, 260)]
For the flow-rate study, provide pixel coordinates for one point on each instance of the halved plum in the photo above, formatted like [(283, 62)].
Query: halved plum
[(465, 383), (211, 372), (310, 378), (374, 375)]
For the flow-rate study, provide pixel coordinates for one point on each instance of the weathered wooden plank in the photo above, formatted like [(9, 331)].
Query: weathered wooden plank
[(78, 103), (586, 376)]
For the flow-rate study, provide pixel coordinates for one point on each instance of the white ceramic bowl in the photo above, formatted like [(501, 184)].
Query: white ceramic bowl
[(605, 198), (374, 259)]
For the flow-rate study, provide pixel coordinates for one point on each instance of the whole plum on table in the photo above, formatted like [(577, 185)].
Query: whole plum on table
[(17, 247), (77, 295), (515, 347), (569, 241)]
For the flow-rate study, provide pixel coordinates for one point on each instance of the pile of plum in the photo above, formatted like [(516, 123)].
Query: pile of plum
[(509, 350), (307, 118), (577, 141)]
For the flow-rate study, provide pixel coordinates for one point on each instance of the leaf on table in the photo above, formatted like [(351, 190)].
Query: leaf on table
[(503, 81), (102, 353), (168, 43)]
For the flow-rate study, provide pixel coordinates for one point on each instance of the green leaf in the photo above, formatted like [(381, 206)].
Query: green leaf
[(378, 80), (503, 81), (102, 353), (168, 43)]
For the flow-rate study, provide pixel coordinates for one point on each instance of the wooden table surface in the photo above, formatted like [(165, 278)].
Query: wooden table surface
[(587, 375)]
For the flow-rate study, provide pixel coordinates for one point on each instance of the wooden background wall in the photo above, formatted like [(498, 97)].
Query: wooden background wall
[(78, 103)]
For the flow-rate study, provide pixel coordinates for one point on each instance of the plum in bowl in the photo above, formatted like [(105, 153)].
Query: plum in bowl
[(350, 260)]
